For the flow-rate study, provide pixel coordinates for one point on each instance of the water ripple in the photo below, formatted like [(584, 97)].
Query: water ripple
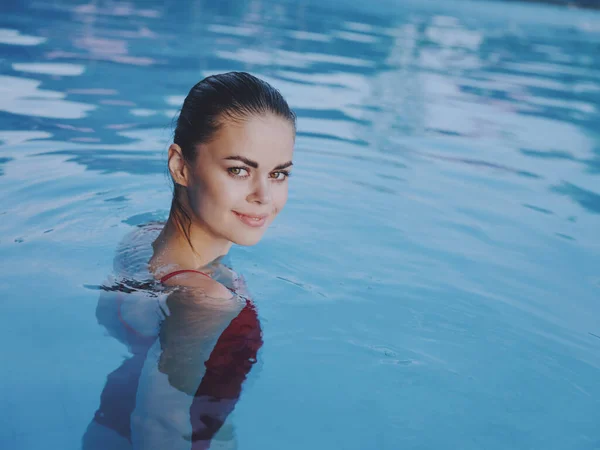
[(440, 248)]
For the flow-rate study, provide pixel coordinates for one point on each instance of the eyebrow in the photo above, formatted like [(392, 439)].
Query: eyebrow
[(255, 164)]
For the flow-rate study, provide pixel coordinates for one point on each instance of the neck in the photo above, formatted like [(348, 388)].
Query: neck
[(173, 251)]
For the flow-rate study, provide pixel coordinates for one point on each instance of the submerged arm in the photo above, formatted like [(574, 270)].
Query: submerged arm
[(195, 319)]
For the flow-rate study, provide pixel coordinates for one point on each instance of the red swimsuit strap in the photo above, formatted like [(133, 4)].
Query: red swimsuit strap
[(177, 272)]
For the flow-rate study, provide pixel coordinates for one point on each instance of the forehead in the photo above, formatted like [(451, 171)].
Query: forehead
[(268, 140)]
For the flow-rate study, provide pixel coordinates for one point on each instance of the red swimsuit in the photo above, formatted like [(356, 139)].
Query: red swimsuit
[(177, 272), (234, 353), (226, 369)]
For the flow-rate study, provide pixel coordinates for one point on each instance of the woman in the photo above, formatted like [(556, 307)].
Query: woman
[(184, 314)]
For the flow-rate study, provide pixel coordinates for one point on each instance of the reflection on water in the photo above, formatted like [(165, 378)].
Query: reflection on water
[(445, 209)]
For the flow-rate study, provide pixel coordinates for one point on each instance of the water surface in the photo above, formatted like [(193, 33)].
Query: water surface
[(434, 279)]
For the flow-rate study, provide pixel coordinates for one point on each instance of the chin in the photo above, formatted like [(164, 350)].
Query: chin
[(247, 240)]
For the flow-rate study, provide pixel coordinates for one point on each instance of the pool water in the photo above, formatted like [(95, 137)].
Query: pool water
[(434, 281)]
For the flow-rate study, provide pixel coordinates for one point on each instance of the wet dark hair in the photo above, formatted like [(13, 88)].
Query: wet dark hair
[(212, 102)]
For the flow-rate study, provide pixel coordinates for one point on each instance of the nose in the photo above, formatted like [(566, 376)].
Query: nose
[(261, 192)]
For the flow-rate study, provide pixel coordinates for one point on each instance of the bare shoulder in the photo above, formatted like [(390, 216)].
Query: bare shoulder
[(205, 290)]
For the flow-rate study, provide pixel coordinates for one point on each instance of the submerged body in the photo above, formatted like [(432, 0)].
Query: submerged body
[(188, 359)]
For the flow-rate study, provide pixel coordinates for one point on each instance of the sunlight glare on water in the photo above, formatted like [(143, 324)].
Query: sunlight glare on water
[(434, 280)]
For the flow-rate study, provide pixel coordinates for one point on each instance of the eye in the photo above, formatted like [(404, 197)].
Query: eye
[(238, 172), (279, 175)]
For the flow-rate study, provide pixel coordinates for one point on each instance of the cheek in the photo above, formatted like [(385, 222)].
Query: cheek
[(216, 194), (280, 198), (230, 194)]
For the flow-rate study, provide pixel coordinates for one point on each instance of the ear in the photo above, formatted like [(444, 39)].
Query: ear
[(177, 165)]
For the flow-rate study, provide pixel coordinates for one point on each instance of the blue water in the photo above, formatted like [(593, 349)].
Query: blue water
[(434, 281)]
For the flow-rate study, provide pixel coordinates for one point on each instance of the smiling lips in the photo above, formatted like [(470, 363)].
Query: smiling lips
[(251, 220)]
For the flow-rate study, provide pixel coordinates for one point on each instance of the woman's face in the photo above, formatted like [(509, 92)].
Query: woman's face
[(239, 181)]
